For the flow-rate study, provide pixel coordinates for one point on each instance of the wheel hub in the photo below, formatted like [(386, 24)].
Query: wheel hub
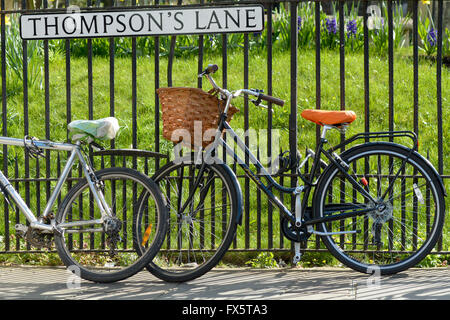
[(185, 218), (383, 212)]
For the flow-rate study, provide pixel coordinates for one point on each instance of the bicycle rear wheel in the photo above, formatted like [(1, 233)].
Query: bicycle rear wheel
[(399, 230), (106, 252), (200, 235)]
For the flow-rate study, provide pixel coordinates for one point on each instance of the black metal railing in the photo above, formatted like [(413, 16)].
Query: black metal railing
[(44, 112)]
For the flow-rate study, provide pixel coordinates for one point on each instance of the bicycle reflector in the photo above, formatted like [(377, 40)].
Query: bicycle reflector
[(364, 182), (146, 235)]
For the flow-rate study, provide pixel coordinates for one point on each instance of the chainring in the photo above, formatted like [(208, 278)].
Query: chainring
[(38, 239), (293, 233)]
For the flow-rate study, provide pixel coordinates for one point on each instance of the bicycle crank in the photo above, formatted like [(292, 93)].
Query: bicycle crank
[(298, 235)]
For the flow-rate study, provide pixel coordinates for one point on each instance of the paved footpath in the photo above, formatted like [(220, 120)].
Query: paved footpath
[(42, 283)]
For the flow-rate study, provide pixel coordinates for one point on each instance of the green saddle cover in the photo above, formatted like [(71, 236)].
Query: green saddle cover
[(89, 130)]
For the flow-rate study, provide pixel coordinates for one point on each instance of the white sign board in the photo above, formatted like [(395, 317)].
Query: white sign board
[(151, 22)]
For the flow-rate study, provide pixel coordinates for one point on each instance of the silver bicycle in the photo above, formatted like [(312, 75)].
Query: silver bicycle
[(93, 227)]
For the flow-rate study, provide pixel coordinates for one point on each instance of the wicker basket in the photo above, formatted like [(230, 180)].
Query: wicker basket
[(182, 108)]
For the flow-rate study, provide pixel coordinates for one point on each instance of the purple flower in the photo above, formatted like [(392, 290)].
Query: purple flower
[(351, 28), (431, 37), (331, 25), (299, 23)]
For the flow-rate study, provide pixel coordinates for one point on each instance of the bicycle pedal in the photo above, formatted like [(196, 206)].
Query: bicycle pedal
[(297, 255), (21, 230)]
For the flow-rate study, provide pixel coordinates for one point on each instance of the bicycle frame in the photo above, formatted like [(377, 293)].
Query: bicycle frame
[(271, 182), (75, 152), (266, 188)]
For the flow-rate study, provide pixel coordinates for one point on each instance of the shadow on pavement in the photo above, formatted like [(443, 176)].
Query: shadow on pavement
[(34, 283)]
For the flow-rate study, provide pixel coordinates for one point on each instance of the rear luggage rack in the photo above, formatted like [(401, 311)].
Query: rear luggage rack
[(377, 135)]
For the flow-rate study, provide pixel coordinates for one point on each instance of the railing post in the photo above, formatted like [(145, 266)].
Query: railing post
[(293, 86), (440, 167), (4, 118), (318, 77)]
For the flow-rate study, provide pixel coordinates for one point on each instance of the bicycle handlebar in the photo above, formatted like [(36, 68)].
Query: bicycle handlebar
[(260, 96), (271, 99), (212, 68)]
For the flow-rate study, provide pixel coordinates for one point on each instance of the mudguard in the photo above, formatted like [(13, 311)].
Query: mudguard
[(237, 185)]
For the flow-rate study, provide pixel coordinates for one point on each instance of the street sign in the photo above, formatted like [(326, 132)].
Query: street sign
[(148, 22)]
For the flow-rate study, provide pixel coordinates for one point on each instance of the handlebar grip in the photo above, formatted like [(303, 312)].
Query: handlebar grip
[(271, 99), (211, 68)]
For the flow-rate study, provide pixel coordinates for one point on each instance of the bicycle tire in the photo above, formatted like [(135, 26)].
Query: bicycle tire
[(184, 255), (93, 254), (403, 229)]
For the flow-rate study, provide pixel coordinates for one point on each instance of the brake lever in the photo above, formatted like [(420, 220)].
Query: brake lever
[(258, 104), (33, 150), (263, 106)]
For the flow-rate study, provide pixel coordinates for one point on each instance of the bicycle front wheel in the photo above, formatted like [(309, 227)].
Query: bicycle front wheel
[(199, 235), (105, 252), (403, 224)]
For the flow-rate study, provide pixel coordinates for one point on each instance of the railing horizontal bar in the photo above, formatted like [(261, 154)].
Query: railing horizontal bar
[(130, 153)]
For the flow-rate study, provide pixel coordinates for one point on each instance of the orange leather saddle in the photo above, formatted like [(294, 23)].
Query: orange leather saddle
[(325, 117)]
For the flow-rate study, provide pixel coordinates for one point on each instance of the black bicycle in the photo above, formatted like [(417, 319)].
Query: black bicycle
[(378, 205)]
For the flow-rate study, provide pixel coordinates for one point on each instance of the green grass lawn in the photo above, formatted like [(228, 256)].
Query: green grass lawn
[(185, 74)]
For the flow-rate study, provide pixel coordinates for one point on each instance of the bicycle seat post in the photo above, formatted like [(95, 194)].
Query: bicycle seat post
[(325, 130)]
